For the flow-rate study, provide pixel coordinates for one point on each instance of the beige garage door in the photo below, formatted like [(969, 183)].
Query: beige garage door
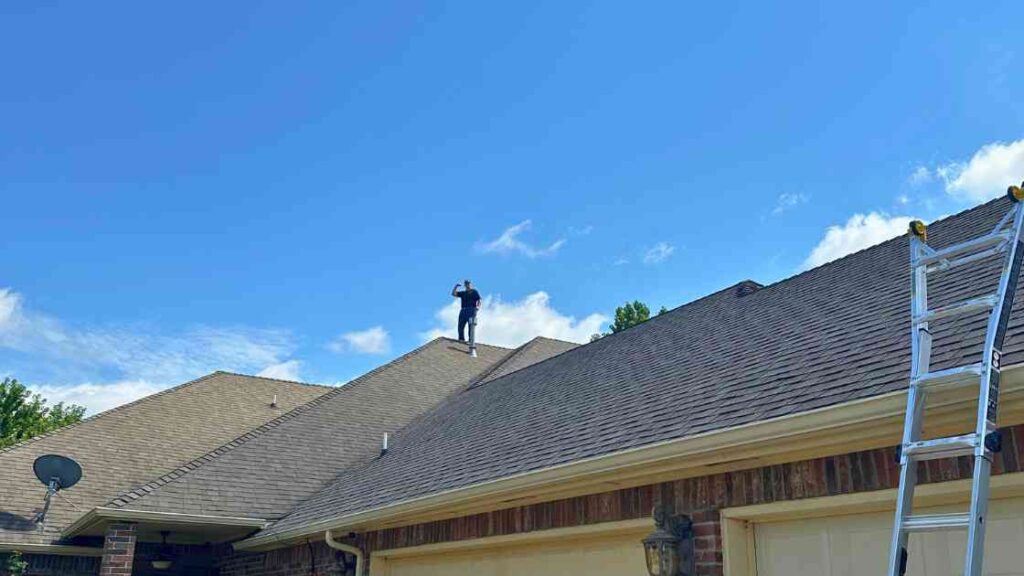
[(619, 556), (858, 545)]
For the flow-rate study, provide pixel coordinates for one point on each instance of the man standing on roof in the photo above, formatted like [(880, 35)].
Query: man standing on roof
[(470, 304)]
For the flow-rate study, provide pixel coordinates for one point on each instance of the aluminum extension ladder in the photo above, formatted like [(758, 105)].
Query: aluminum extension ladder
[(985, 440)]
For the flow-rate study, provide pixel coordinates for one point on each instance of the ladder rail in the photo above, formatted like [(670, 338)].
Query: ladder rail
[(985, 374), (920, 356), (988, 399)]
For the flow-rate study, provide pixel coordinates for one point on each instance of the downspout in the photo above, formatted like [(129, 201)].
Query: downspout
[(331, 542)]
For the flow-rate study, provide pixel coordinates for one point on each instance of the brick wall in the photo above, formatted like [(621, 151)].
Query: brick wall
[(313, 558), (701, 498), (118, 550)]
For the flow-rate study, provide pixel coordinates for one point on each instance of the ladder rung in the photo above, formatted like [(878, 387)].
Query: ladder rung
[(936, 522), (965, 247), (960, 308), (950, 264), (941, 447), (959, 376)]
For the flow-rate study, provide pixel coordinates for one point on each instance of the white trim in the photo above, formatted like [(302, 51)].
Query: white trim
[(101, 513)]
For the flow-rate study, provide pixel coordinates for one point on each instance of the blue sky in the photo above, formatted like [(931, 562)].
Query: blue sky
[(294, 188)]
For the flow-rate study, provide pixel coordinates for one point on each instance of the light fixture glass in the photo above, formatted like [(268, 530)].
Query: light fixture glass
[(668, 550)]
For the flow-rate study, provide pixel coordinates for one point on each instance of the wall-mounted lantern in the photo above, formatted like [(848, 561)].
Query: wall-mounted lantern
[(669, 549)]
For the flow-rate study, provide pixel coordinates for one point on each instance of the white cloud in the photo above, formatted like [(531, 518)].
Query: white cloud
[(509, 243), (9, 303), (859, 232), (287, 370), (621, 262), (987, 174), (373, 340), (127, 359), (513, 323), (788, 201), (98, 397), (920, 176), (903, 200), (658, 253)]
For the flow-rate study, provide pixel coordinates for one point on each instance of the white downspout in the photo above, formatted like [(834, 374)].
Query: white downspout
[(346, 548)]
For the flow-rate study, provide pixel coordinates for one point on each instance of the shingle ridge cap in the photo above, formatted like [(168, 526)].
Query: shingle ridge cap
[(284, 380), (942, 220)]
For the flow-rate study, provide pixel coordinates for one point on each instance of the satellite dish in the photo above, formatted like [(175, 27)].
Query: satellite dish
[(60, 469), (56, 473)]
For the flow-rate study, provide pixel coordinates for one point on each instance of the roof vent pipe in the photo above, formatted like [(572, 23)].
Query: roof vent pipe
[(346, 548), (273, 403), (384, 445), (472, 336)]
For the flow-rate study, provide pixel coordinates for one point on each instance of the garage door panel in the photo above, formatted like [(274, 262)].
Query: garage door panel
[(619, 556), (858, 545)]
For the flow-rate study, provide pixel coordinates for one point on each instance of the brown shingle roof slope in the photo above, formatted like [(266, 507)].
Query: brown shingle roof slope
[(268, 472), (536, 350), (829, 335), (131, 444)]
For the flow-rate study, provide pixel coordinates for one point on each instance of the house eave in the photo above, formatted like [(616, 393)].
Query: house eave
[(102, 514), (858, 425)]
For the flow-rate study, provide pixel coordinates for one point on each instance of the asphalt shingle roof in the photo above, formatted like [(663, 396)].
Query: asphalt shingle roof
[(833, 334), (124, 447), (266, 473)]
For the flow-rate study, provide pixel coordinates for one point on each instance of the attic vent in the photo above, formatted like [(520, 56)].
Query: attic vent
[(747, 287)]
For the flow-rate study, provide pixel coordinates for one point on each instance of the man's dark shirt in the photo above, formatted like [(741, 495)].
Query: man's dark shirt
[(469, 298)]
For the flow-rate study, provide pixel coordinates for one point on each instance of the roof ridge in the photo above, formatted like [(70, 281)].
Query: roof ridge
[(542, 337), (196, 463), (515, 353), (120, 408), (882, 243), (275, 379), (464, 342)]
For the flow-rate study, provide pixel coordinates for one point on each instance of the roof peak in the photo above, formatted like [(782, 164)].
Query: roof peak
[(286, 381)]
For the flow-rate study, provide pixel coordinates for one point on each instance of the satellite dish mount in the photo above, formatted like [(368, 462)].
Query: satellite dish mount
[(56, 473)]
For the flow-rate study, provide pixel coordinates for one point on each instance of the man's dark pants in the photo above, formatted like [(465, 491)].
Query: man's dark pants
[(465, 315)]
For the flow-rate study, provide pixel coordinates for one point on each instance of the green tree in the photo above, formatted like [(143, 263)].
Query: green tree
[(15, 564), (630, 314), (24, 414)]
